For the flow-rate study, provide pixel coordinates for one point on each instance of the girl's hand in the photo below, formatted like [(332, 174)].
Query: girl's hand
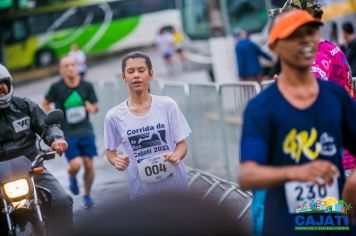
[(121, 162), (172, 158)]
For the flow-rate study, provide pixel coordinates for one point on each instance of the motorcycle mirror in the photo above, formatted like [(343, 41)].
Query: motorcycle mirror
[(54, 117)]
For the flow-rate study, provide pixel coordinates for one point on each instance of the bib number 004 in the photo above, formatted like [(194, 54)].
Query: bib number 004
[(154, 169)]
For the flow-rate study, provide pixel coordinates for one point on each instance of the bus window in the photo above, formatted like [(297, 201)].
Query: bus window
[(39, 23), (249, 15), (277, 3), (67, 19), (195, 19), (117, 11), (156, 5), (98, 14), (123, 9), (7, 33), (18, 31)]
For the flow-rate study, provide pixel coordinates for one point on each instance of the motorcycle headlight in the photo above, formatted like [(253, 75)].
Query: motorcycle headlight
[(16, 188)]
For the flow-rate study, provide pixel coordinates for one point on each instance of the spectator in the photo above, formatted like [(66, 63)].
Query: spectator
[(178, 45), (349, 46), (80, 58), (247, 53), (165, 45)]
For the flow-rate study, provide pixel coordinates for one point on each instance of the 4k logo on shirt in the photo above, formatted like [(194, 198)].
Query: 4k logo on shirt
[(21, 124)]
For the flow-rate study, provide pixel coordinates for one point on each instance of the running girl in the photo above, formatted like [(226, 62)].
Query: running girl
[(152, 131)]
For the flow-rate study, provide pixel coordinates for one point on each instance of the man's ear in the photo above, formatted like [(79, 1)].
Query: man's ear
[(274, 48)]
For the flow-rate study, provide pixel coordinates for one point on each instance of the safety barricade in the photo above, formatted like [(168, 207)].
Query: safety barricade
[(224, 192)]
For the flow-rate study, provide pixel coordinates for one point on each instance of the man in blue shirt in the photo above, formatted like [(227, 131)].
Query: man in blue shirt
[(294, 131), (247, 53)]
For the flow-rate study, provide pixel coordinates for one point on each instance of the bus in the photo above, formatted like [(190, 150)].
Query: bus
[(250, 15), (40, 36)]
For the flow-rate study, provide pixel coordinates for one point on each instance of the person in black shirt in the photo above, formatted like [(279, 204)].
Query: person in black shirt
[(77, 99)]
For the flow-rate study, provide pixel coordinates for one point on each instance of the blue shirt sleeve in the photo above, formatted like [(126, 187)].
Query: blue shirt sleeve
[(254, 140), (263, 53), (240, 60)]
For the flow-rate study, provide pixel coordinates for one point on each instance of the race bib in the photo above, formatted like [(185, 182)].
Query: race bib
[(75, 115), (155, 169), (299, 192)]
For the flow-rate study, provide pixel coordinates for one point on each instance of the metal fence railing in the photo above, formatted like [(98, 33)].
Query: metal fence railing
[(226, 188)]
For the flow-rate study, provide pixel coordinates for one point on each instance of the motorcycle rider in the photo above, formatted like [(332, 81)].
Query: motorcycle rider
[(20, 121)]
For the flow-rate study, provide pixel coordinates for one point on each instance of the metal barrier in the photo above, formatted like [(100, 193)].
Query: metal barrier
[(227, 188), (234, 98)]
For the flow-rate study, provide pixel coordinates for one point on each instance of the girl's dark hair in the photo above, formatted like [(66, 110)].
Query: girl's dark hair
[(136, 54)]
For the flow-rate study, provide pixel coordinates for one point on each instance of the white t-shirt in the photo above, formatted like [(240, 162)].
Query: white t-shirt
[(165, 44), (80, 59), (146, 138)]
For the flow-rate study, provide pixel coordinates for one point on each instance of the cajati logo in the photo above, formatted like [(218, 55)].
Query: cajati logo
[(329, 214)]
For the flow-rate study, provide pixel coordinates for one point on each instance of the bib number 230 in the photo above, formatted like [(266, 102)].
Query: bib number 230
[(155, 169), (299, 192)]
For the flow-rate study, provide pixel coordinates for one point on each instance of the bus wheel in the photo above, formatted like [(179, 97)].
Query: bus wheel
[(45, 58)]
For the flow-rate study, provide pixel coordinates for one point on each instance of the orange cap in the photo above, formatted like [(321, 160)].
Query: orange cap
[(287, 23)]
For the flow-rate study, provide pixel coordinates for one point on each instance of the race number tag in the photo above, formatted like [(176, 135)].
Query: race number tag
[(299, 192), (155, 169), (75, 115)]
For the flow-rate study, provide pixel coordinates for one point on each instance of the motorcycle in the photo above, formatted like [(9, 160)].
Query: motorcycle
[(25, 204)]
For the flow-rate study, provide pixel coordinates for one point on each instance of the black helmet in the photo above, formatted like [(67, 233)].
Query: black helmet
[(6, 77)]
